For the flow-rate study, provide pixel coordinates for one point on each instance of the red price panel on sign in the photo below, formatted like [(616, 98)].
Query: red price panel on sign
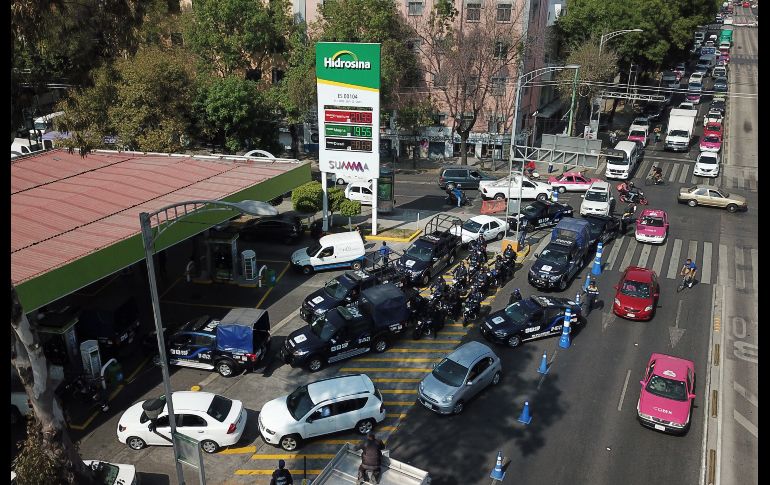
[(340, 116)]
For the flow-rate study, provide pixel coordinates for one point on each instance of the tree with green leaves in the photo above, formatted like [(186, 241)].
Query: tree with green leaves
[(350, 208), (235, 112), (467, 63), (413, 118), (231, 36), (308, 198)]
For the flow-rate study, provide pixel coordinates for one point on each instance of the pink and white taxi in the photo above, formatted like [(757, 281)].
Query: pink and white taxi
[(665, 401), (652, 226), (710, 143), (572, 181)]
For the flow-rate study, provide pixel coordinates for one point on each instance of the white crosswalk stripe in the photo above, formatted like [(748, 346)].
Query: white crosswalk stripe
[(754, 268), (674, 170), (692, 252), (646, 248), (706, 272), (740, 275), (723, 276), (673, 264), (613, 253), (629, 254), (685, 171), (660, 253)]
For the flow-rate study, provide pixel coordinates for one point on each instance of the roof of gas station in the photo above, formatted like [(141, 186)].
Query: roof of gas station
[(75, 220)]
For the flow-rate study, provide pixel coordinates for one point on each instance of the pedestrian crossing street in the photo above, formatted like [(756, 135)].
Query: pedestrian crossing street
[(681, 172)]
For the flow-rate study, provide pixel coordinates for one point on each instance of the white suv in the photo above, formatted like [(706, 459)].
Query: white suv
[(598, 199), (320, 408)]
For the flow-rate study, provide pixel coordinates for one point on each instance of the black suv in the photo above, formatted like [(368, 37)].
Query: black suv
[(463, 176), (282, 228), (430, 254), (345, 289)]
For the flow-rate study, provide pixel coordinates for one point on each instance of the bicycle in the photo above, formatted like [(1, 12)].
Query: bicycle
[(686, 279), (650, 180)]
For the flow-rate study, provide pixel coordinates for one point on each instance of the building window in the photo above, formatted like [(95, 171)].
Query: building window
[(440, 79), (473, 12), (501, 50), (472, 84), (253, 74), (415, 7), (439, 119), (498, 86), (277, 76), (414, 45), (503, 12)]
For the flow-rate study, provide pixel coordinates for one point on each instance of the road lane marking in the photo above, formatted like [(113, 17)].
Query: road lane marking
[(387, 369), (673, 263), (646, 248), (683, 176), (672, 177), (723, 276), (706, 275), (410, 351), (397, 403), (746, 394), (660, 254), (292, 456), (692, 251), (750, 427), (288, 265), (623, 394), (395, 415), (238, 451), (286, 320), (613, 253), (740, 273), (295, 473), (755, 268), (630, 250), (398, 360), (437, 341), (398, 391)]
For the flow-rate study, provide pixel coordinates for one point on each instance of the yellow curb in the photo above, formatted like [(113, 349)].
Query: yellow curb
[(195, 388), (394, 239)]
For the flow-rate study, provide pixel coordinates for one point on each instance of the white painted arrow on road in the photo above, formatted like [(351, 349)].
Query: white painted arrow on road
[(675, 333)]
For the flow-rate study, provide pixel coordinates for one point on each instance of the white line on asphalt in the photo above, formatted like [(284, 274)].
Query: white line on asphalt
[(613, 253), (601, 167), (683, 176), (740, 273), (694, 179), (750, 427), (692, 251), (623, 394), (646, 248), (285, 321), (672, 176), (706, 275), (660, 253), (755, 268), (673, 263), (723, 277), (629, 254), (542, 244), (208, 380), (746, 394)]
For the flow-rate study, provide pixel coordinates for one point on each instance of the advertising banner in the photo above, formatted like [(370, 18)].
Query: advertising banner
[(348, 81)]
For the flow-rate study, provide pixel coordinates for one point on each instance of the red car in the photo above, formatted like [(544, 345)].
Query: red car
[(712, 129), (666, 398), (636, 295), (746, 5)]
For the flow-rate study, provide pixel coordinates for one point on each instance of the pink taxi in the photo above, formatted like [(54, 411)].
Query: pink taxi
[(665, 401), (710, 143), (573, 181), (638, 135), (652, 226), (712, 128)]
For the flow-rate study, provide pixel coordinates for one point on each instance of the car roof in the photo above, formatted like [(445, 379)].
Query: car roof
[(339, 386), (653, 213), (600, 185), (637, 273), (575, 174), (468, 352), (483, 218), (670, 366), (192, 401)]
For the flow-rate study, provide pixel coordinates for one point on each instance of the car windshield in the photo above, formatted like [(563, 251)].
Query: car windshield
[(516, 312), (708, 160), (711, 139), (678, 133), (696, 86), (531, 210), (556, 258), (651, 221), (615, 160), (420, 251), (219, 408), (336, 289), (635, 289), (106, 473), (299, 403), (594, 196), (322, 328), (641, 121), (667, 388), (313, 249), (636, 133), (450, 373), (471, 226)]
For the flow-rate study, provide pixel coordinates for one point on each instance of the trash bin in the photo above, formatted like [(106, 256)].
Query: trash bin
[(112, 373), (270, 277)]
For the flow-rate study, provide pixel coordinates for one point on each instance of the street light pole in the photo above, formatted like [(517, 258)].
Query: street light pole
[(572, 102), (611, 35), (173, 214)]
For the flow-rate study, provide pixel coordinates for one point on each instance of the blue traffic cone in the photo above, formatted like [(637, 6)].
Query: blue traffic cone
[(497, 472), (555, 195), (588, 281), (597, 269), (525, 417), (564, 339), (543, 369), (577, 298)]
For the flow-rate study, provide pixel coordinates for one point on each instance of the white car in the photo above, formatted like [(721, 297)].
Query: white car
[(214, 420), (320, 408), (598, 199), (113, 473), (687, 105), (509, 187), (707, 164), (696, 77), (490, 227), (360, 191)]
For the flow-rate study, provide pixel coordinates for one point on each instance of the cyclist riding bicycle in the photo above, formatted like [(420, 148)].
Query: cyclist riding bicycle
[(657, 173), (689, 269)]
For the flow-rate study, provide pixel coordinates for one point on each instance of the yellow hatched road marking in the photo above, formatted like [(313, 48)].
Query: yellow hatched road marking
[(397, 403), (342, 442), (238, 451), (386, 369), (270, 472), (411, 351), (398, 391), (321, 456), (395, 359), (454, 325), (443, 341), (385, 379), (452, 333), (395, 415)]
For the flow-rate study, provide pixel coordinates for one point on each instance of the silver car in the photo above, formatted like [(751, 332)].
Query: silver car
[(458, 377)]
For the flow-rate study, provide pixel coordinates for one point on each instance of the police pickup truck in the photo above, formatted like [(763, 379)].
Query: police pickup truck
[(433, 252), (379, 316), (238, 341), (529, 319), (563, 257), (345, 289)]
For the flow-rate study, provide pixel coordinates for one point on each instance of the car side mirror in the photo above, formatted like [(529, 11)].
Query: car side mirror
[(469, 383), (537, 255), (691, 396), (435, 259), (309, 420), (435, 364), (615, 287), (642, 383), (656, 295)]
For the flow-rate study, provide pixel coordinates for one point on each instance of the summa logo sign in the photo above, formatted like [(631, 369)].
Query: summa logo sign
[(352, 166), (334, 62)]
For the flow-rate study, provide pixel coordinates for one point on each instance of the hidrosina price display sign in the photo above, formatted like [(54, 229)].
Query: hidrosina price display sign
[(348, 77)]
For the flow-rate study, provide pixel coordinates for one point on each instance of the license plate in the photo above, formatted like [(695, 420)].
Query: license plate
[(631, 315), (660, 428), (427, 404)]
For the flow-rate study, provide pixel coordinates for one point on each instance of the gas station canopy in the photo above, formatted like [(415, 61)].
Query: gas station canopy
[(75, 220)]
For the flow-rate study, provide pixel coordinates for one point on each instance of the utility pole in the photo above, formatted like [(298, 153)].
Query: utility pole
[(572, 102)]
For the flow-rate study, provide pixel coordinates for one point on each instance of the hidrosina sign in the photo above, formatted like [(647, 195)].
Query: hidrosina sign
[(348, 77)]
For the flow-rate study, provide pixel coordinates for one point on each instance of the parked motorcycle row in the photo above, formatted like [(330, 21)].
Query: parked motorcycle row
[(473, 280)]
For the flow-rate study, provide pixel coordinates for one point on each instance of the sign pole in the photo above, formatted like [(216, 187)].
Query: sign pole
[(374, 206), (325, 188)]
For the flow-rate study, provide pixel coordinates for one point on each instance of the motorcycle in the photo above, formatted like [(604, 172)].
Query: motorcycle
[(429, 322), (472, 306), (450, 305), (451, 199), (630, 197), (495, 278), (515, 296), (88, 390), (481, 281), (460, 281)]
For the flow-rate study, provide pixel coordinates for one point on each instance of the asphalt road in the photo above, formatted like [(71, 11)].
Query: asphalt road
[(584, 428)]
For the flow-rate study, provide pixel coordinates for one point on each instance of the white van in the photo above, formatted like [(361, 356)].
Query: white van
[(23, 146), (622, 160), (341, 250), (44, 124), (360, 191)]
